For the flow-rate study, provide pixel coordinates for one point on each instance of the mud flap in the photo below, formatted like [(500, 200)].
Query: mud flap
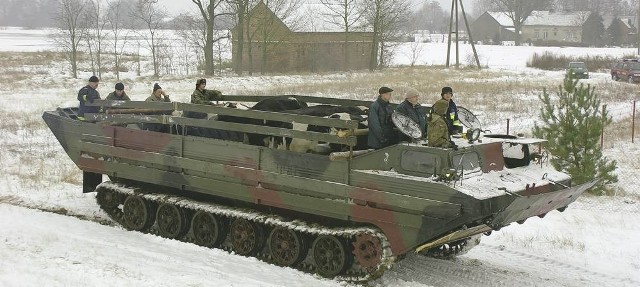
[(90, 180), (524, 207)]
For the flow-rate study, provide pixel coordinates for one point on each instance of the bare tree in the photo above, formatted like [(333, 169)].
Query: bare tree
[(114, 17), (71, 28), (240, 8), (209, 14), (151, 17), (97, 22), (519, 10), (346, 14), (190, 29), (385, 18)]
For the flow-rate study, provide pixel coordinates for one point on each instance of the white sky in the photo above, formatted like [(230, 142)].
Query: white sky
[(178, 6)]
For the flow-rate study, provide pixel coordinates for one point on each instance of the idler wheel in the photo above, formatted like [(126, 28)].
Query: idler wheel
[(287, 246), (246, 237), (137, 213), (208, 230), (172, 221), (107, 199), (367, 250), (330, 255)]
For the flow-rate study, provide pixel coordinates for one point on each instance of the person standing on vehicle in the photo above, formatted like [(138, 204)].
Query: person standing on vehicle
[(86, 94), (453, 122), (118, 94), (203, 96), (410, 108), (380, 125), (438, 132)]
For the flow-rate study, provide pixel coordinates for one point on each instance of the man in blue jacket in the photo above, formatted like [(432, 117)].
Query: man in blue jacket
[(88, 93), (410, 108), (381, 132)]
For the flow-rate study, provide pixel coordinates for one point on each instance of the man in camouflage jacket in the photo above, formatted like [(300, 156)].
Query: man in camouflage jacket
[(438, 131), (203, 96)]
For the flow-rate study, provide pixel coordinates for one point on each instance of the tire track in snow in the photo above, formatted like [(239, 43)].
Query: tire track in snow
[(552, 264)]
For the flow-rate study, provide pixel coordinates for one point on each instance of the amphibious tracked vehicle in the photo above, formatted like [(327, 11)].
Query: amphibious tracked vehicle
[(346, 214)]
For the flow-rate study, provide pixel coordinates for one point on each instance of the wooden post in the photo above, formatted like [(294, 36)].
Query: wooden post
[(508, 126)]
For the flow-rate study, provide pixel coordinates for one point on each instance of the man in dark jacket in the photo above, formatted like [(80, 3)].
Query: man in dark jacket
[(203, 96), (410, 108), (381, 132), (86, 94), (453, 122), (118, 94)]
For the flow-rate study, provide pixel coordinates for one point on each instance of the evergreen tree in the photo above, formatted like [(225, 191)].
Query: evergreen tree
[(573, 125)]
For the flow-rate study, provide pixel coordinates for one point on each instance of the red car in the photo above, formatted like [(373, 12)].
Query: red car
[(626, 70)]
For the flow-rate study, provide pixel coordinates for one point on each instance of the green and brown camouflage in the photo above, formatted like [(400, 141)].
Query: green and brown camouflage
[(419, 197)]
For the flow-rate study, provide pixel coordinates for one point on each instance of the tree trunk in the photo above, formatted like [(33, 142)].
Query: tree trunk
[(208, 45)]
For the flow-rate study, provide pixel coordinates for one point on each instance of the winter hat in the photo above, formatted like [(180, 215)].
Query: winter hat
[(446, 90), (201, 81), (384, 90), (94, 79), (440, 107), (410, 93), (156, 87), (119, 86)]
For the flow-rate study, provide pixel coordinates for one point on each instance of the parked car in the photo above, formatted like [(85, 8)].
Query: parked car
[(627, 70), (577, 70)]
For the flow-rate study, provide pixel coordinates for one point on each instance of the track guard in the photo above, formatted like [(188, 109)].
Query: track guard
[(90, 180)]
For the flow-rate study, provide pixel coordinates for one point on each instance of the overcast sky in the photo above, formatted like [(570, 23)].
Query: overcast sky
[(178, 6)]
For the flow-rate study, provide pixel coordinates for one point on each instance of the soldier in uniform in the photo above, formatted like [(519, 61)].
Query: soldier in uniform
[(410, 108), (438, 132), (380, 125), (86, 94), (118, 94), (203, 96)]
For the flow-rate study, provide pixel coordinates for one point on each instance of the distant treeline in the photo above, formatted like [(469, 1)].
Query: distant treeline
[(552, 61)]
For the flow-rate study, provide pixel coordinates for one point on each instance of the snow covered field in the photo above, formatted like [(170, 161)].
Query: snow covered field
[(593, 243)]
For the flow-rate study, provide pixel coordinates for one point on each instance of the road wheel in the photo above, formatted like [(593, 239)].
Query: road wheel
[(137, 213), (331, 255), (208, 229), (246, 237), (287, 247), (172, 221)]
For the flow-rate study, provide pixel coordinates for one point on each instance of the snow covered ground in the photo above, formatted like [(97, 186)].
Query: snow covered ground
[(53, 235)]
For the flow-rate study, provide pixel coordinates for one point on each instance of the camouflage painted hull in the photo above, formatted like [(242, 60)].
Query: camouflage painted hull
[(405, 191)]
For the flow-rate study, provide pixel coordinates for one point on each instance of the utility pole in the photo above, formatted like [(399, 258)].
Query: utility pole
[(454, 13)]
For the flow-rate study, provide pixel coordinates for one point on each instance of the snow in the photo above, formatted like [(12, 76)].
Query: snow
[(54, 235)]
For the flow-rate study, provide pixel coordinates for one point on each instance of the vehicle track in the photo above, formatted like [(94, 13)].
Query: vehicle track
[(552, 264)]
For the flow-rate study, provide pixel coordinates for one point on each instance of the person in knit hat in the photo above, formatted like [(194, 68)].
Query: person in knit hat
[(438, 132), (203, 96), (86, 94), (118, 94), (158, 95), (381, 132), (410, 108)]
